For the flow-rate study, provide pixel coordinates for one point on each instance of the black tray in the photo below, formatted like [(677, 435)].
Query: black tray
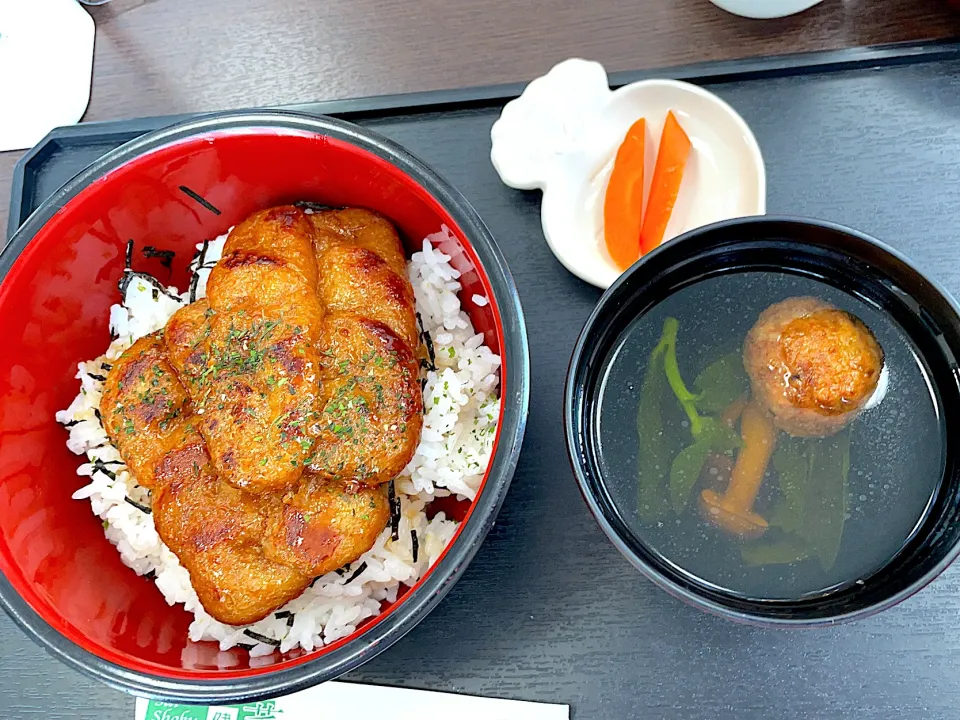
[(549, 610)]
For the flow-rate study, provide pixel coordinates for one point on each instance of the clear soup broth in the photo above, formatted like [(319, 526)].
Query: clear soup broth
[(716, 471)]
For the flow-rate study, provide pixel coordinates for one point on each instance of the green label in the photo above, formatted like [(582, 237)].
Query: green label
[(264, 710), (165, 711)]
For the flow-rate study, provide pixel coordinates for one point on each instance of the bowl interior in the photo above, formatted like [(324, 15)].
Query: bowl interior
[(54, 305), (851, 264)]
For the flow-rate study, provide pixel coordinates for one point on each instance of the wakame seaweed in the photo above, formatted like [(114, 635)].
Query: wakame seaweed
[(812, 474), (718, 385)]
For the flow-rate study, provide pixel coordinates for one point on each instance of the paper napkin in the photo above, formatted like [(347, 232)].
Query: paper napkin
[(350, 700)]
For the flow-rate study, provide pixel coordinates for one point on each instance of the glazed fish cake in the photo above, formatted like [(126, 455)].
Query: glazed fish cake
[(268, 259), (214, 529), (356, 280), (217, 533), (372, 412), (361, 228), (186, 337), (248, 357), (278, 240), (372, 406), (326, 524), (144, 407), (255, 390)]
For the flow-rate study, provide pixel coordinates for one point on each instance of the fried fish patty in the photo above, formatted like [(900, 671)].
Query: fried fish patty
[(326, 524), (248, 354), (372, 412), (144, 407)]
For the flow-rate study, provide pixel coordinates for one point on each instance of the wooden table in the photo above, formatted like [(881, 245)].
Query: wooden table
[(158, 57), (163, 57)]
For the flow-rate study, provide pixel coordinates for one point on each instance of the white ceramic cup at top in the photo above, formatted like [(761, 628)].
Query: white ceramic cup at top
[(765, 9)]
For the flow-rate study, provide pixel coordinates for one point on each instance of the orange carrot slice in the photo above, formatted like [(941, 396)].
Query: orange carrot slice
[(623, 203), (667, 174)]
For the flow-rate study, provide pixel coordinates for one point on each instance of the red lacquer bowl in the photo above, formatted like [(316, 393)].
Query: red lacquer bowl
[(62, 581)]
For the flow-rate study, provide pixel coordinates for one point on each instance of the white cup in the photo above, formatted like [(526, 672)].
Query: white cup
[(763, 9)]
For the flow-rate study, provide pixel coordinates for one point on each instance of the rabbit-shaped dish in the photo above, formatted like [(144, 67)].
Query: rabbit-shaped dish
[(561, 136)]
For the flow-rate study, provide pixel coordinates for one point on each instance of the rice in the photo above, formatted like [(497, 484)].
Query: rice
[(461, 411)]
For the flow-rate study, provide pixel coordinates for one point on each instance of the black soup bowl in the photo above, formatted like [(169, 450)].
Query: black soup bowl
[(845, 264)]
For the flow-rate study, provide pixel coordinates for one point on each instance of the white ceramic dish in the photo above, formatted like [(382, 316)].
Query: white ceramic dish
[(765, 9), (561, 136)]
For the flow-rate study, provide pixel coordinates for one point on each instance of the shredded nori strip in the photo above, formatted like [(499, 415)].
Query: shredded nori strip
[(261, 638), (315, 206), (282, 614), (245, 646), (138, 506), (106, 366), (290, 620), (428, 342), (356, 574), (96, 411), (151, 575), (415, 543), (200, 199), (129, 276), (101, 378), (71, 423), (128, 256), (342, 571), (156, 294), (110, 462), (100, 466), (195, 278), (165, 256), (314, 581), (394, 512)]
